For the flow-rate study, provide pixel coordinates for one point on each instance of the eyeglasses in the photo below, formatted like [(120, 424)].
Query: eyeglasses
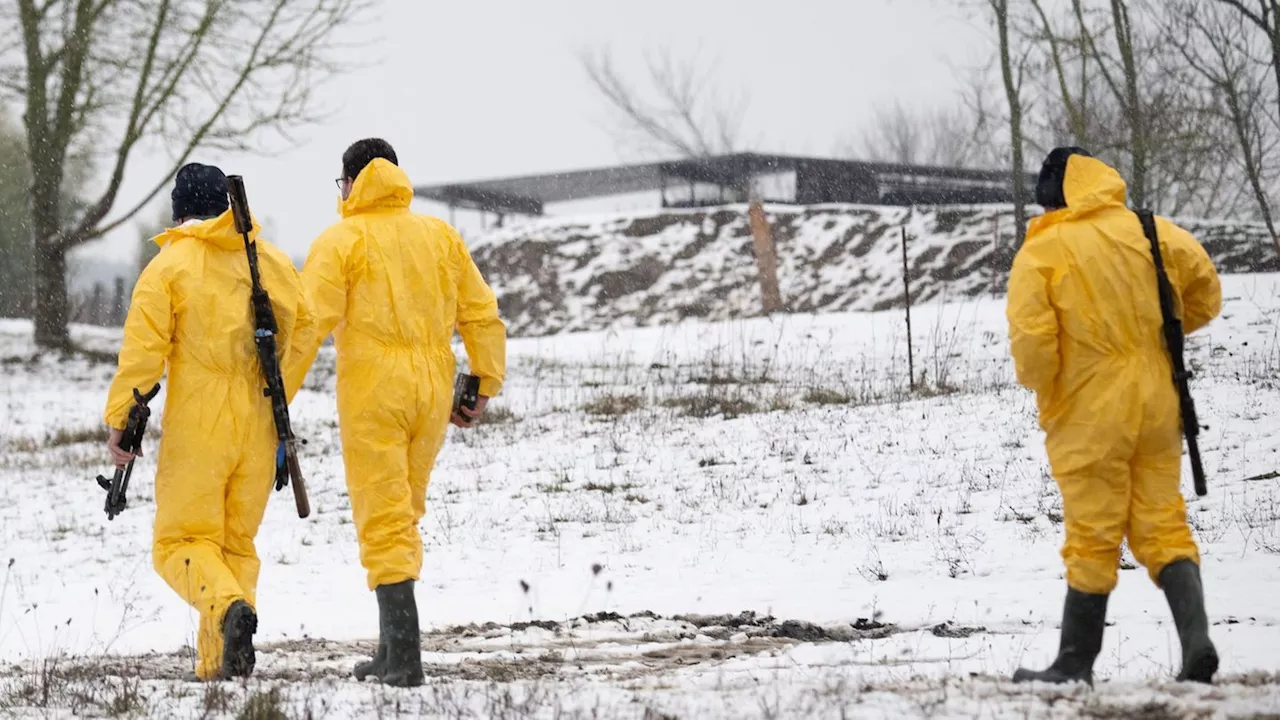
[(338, 182)]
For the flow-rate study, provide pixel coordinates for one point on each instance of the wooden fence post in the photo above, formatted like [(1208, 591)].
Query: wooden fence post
[(906, 288), (766, 257)]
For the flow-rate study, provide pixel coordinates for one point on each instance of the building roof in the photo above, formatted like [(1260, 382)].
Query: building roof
[(529, 193)]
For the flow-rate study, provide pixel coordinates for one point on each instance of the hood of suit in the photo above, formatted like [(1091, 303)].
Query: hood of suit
[(219, 232), (1088, 185), (381, 185)]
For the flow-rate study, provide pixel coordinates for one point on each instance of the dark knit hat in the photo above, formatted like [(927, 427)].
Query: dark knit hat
[(1049, 192), (199, 191)]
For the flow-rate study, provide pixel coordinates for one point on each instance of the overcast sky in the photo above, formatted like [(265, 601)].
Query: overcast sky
[(475, 90)]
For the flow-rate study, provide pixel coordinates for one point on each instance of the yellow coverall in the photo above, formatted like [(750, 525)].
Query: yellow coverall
[(392, 286), (190, 308), (1086, 331)]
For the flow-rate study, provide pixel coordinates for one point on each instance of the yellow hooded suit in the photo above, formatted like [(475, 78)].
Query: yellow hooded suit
[(190, 310), (1085, 324), (392, 286)]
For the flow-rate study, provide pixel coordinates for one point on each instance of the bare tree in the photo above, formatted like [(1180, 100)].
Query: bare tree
[(1264, 15), (1219, 46), (119, 74), (1121, 90), (1075, 102), (1011, 73), (947, 136), (682, 114), (15, 256), (1132, 103), (1123, 82)]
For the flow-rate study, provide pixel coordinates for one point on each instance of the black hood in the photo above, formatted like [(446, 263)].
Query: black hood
[(1049, 193)]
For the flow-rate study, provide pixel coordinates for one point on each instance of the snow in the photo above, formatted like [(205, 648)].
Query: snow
[(625, 270), (764, 470)]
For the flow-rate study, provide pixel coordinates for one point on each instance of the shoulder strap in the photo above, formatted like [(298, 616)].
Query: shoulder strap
[(1149, 229), (1162, 278)]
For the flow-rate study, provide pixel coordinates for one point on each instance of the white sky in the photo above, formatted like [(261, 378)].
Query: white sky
[(473, 90)]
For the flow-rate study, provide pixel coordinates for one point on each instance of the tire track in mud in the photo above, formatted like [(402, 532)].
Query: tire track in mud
[(618, 646)]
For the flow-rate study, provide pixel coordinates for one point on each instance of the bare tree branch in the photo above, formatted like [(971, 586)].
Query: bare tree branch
[(1262, 21), (1075, 112), (686, 117), (1218, 50), (184, 75)]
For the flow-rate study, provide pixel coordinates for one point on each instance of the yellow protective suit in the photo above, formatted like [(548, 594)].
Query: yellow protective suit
[(1085, 324), (392, 286), (190, 309)]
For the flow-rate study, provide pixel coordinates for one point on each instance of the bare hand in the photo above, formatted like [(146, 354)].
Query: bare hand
[(468, 417), (119, 456)]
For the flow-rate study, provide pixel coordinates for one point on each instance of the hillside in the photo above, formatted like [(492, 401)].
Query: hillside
[(738, 519), (563, 275)]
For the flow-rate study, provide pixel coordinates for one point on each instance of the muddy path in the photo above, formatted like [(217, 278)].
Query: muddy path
[(619, 646)]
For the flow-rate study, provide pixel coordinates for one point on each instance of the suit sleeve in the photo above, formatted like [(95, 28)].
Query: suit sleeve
[(324, 285), (148, 337), (1194, 277), (1033, 322), (301, 341), (483, 332)]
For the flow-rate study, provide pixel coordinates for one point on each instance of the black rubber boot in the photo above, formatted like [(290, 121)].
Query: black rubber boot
[(238, 626), (403, 640), (378, 665), (1181, 583), (1084, 617)]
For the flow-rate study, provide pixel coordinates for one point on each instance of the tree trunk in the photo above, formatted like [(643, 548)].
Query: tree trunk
[(1133, 103), (51, 297), (1240, 120), (1273, 35), (1001, 8), (44, 202)]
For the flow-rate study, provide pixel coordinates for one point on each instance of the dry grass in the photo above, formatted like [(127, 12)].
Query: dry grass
[(64, 436), (613, 405), (708, 405)]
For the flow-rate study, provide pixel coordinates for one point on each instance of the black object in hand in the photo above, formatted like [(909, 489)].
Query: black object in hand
[(466, 393), (117, 486)]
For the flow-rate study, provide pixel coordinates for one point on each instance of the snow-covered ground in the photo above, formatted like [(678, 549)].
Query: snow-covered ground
[(750, 518), (656, 267)]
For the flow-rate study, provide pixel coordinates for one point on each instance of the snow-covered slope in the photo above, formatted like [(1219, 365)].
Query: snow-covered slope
[(750, 518), (618, 271)]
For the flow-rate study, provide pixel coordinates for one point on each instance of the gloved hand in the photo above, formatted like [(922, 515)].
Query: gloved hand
[(282, 477)]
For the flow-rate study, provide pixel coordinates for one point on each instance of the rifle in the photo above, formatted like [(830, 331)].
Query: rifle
[(131, 442), (264, 338), (1173, 340)]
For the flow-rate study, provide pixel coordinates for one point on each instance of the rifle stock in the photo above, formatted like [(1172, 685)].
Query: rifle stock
[(264, 340), (1174, 343)]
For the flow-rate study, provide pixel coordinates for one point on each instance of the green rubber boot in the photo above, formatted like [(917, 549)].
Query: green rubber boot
[(238, 626), (1084, 617), (403, 667), (1181, 583)]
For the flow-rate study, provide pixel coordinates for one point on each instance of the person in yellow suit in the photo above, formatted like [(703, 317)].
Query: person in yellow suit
[(1086, 331), (190, 311), (393, 286)]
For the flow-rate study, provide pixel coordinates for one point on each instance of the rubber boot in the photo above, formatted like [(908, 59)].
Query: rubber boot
[(404, 642), (378, 665), (1181, 583), (1084, 617), (238, 626)]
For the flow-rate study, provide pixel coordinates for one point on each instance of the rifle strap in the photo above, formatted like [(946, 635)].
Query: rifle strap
[(1149, 229), (1163, 287)]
